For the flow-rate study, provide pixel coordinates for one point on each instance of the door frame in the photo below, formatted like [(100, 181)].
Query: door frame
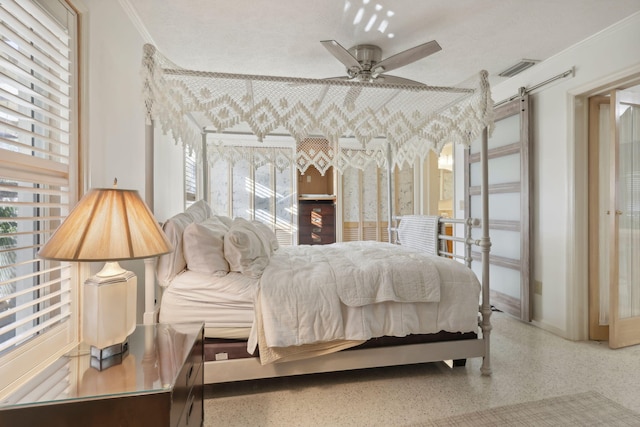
[(577, 275)]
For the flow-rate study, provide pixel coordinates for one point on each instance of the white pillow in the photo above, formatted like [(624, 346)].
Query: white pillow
[(203, 246), (267, 234), (199, 211), (169, 265), (244, 249)]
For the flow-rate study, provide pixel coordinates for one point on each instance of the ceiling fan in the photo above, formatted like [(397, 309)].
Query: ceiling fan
[(364, 62)]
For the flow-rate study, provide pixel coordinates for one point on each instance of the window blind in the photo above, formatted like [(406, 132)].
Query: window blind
[(36, 53)]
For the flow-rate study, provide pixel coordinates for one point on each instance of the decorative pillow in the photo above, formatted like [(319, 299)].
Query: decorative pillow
[(169, 265), (203, 245), (267, 235), (199, 211), (245, 250)]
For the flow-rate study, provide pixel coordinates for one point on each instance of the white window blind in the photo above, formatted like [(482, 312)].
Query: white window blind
[(36, 153)]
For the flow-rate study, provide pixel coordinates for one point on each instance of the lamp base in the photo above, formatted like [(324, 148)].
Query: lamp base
[(103, 358), (109, 314), (112, 350)]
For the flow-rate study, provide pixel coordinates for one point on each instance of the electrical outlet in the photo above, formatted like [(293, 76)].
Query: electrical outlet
[(537, 287)]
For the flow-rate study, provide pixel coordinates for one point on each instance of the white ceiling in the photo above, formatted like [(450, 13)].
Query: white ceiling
[(282, 37)]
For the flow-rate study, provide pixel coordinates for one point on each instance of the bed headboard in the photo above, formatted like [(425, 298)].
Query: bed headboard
[(171, 264)]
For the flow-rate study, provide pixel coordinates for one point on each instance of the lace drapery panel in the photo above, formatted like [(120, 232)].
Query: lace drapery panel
[(318, 152), (412, 119)]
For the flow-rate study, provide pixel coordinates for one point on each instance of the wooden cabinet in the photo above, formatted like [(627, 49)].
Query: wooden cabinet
[(159, 383), (316, 222)]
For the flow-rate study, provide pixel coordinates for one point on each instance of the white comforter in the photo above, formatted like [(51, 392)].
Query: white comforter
[(359, 290)]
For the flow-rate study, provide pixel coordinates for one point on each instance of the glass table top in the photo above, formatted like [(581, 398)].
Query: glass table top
[(156, 355)]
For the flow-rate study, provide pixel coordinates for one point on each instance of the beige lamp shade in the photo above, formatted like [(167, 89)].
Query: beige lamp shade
[(107, 224)]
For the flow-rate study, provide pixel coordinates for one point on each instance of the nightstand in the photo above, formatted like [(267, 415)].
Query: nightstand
[(158, 383), (316, 222)]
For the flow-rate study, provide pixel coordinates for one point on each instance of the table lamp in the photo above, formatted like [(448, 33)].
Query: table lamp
[(108, 224)]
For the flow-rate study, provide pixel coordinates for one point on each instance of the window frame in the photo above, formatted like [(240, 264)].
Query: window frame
[(19, 364)]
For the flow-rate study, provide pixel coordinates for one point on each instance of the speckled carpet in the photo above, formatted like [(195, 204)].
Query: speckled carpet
[(582, 409)]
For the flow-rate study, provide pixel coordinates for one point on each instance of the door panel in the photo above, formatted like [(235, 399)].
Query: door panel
[(624, 325), (599, 230), (509, 207)]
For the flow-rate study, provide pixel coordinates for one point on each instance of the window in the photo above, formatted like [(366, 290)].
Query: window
[(266, 194), (190, 177), (38, 146)]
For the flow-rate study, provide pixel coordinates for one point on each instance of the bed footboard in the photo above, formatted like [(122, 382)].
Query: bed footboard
[(439, 245), (431, 228)]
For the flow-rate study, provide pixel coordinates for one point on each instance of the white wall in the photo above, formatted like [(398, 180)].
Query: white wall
[(116, 117), (559, 220), (116, 110), (169, 176)]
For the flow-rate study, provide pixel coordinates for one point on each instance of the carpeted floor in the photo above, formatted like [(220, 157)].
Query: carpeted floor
[(582, 409)]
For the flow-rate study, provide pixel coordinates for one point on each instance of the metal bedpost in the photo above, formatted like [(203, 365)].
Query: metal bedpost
[(149, 315), (389, 200), (485, 246), (204, 164), (149, 263), (468, 227)]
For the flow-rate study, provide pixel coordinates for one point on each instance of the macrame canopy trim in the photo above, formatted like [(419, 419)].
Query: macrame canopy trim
[(325, 122)]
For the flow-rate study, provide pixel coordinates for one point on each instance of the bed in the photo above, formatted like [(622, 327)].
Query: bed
[(403, 326), (275, 311)]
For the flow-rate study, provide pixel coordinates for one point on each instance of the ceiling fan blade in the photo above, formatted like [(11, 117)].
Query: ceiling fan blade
[(395, 80), (338, 78), (342, 54), (406, 57)]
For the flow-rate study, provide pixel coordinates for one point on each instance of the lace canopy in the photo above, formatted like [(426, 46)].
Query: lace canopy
[(306, 122)]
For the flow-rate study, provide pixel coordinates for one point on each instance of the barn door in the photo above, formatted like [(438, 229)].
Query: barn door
[(509, 207)]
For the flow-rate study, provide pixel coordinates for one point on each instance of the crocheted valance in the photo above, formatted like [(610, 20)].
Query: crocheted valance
[(330, 122)]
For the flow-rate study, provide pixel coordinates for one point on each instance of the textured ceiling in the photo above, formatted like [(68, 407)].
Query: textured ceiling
[(282, 37)]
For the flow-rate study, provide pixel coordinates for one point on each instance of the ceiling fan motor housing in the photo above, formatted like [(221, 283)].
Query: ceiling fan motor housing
[(367, 55)]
